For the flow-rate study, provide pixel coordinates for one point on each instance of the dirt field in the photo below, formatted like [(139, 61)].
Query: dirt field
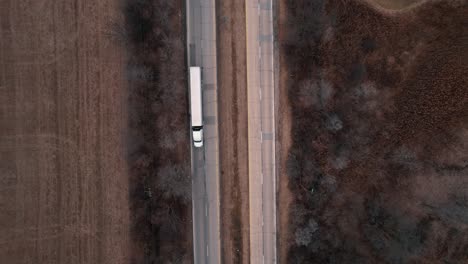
[(232, 108), (64, 184), (379, 112)]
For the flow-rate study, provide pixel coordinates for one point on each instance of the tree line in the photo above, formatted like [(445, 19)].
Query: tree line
[(158, 138)]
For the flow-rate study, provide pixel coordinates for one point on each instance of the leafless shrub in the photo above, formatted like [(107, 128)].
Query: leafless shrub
[(307, 92), (329, 182), (315, 93), (118, 32), (334, 123), (325, 91), (293, 166), (304, 235), (137, 72), (340, 162), (167, 142), (404, 155), (298, 214), (175, 181)]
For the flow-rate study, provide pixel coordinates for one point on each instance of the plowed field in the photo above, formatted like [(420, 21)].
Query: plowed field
[(63, 178)]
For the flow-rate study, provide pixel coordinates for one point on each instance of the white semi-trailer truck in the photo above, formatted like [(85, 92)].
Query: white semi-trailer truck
[(196, 111)]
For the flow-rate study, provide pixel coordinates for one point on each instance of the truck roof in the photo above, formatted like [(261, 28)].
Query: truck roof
[(196, 97)]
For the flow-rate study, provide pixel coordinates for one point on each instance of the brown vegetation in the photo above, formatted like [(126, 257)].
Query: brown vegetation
[(395, 4), (284, 140), (379, 105), (159, 145), (232, 111), (63, 173)]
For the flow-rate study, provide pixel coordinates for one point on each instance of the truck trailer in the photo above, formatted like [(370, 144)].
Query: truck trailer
[(196, 105)]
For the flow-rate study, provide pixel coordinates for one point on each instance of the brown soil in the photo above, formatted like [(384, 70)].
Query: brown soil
[(285, 197), (232, 110), (283, 130), (64, 183), (378, 156)]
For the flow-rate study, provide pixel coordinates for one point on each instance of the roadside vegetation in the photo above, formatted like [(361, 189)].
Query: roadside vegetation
[(379, 153), (158, 141), (395, 4)]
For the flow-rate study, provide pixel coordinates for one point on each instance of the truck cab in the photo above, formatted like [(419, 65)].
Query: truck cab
[(197, 134)]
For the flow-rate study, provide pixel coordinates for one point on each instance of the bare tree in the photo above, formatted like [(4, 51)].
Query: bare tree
[(293, 166), (340, 162), (304, 235), (325, 91), (167, 141), (118, 32), (298, 214), (174, 181), (315, 92), (334, 123), (138, 72)]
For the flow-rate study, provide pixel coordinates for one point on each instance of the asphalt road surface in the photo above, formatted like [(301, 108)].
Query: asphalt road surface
[(201, 46), (260, 83), (205, 170)]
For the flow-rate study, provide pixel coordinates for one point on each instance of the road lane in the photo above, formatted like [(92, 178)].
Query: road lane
[(201, 47), (262, 179), (199, 205)]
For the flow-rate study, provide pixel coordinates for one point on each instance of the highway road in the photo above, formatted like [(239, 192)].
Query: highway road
[(261, 121), (201, 43), (201, 46)]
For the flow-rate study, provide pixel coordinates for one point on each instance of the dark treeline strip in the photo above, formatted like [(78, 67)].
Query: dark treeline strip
[(158, 140)]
